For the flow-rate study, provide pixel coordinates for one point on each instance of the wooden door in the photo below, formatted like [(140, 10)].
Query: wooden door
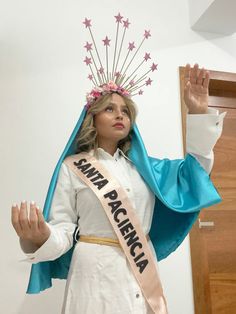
[(213, 236)]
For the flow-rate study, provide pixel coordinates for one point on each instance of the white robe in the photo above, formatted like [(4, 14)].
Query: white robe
[(100, 279)]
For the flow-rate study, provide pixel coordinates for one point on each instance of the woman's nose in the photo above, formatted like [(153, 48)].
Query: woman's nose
[(119, 115)]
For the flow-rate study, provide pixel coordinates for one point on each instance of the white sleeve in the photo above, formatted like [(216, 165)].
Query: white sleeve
[(62, 222), (202, 133)]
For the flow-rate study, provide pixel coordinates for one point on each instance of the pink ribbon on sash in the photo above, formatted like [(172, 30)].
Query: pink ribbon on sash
[(126, 224)]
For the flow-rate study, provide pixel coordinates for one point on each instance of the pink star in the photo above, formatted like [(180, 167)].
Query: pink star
[(87, 60), (118, 18), (147, 34), (101, 70), (147, 56), (87, 22), (88, 46), (106, 41), (131, 83), (140, 92), (126, 23), (131, 46), (148, 82), (154, 67), (90, 77)]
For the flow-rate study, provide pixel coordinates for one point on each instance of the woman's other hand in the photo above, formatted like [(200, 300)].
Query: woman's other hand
[(30, 227), (196, 82)]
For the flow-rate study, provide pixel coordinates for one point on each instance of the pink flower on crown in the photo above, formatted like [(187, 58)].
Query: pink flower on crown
[(106, 88), (112, 85), (123, 91), (96, 93)]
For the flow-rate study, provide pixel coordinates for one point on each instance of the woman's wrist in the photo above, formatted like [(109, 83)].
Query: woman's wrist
[(36, 242)]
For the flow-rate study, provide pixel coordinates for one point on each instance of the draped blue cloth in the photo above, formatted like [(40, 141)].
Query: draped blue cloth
[(181, 187)]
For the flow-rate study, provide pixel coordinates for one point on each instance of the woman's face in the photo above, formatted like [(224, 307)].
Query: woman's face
[(113, 122)]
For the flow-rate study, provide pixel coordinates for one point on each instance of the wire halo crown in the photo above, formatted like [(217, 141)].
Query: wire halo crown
[(116, 78)]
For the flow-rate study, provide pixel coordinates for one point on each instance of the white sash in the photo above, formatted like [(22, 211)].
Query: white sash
[(126, 224)]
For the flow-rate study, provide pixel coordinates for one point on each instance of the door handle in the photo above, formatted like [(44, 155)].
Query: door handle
[(205, 223)]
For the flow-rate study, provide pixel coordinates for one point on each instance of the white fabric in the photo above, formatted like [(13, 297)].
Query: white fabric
[(100, 279)]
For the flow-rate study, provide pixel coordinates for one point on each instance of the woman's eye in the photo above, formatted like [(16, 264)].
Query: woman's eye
[(110, 109)]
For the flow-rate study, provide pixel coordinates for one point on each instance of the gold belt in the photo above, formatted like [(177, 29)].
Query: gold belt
[(103, 241)]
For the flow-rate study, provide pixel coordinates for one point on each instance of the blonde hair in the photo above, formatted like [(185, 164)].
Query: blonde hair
[(87, 136)]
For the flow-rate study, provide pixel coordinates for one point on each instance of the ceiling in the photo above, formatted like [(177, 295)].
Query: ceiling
[(213, 16)]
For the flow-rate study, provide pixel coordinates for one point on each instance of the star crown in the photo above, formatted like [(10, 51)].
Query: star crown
[(118, 77)]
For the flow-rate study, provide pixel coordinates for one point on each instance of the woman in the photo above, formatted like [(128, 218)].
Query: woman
[(100, 277)]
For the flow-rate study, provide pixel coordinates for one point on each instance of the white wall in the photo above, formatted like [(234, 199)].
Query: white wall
[(42, 87)]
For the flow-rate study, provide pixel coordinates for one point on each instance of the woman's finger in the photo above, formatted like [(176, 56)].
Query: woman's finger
[(200, 77), (193, 74), (206, 80), (23, 217), (41, 220), (187, 73), (33, 217), (15, 219), (43, 227)]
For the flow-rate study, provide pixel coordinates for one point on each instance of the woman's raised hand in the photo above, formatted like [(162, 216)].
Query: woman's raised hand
[(196, 89), (30, 227)]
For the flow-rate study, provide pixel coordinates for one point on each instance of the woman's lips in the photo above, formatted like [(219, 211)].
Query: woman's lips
[(119, 125)]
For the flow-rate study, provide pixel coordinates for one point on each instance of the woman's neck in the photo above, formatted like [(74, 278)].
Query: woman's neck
[(108, 147)]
